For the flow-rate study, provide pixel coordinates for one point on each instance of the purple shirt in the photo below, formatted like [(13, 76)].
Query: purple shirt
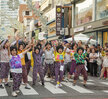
[(37, 58), (15, 62)]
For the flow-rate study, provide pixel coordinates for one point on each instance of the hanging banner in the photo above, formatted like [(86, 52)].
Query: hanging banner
[(36, 34), (58, 19)]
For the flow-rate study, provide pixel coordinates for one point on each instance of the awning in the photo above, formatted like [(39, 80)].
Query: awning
[(53, 38), (50, 22)]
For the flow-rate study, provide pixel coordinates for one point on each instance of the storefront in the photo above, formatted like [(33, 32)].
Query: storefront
[(91, 18), (101, 9), (98, 29), (83, 12)]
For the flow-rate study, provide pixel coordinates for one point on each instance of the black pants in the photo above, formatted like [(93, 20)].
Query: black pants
[(88, 66), (93, 69), (10, 75)]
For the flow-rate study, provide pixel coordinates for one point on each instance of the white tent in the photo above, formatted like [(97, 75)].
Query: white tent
[(82, 37)]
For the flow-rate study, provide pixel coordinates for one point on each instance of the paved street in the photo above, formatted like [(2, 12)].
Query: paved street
[(95, 89)]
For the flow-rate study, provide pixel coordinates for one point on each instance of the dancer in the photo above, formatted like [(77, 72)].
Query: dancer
[(59, 53), (80, 65), (16, 69), (4, 63)]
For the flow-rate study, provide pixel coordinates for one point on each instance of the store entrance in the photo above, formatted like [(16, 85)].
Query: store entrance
[(102, 37)]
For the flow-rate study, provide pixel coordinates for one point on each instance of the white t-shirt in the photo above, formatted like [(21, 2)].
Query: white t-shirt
[(67, 58), (49, 56)]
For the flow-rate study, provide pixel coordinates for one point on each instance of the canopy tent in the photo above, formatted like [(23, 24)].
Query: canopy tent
[(83, 38)]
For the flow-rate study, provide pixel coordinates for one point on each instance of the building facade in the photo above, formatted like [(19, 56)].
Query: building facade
[(91, 18), (48, 7), (28, 18)]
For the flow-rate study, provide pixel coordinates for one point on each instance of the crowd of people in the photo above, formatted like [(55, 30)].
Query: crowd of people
[(58, 60)]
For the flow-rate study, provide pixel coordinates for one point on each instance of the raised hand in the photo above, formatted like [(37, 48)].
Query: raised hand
[(91, 37)]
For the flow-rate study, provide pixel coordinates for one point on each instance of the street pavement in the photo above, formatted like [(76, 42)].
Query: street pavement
[(96, 89)]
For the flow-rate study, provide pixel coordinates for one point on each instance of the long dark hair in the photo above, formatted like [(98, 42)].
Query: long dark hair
[(5, 44)]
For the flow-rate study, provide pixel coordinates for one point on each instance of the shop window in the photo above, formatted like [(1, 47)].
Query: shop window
[(100, 38), (102, 9), (93, 34), (104, 38), (84, 12)]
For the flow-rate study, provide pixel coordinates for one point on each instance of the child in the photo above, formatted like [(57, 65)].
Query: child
[(80, 68), (16, 69), (73, 65), (49, 62), (21, 49), (59, 54), (37, 68), (105, 65), (67, 63), (4, 62)]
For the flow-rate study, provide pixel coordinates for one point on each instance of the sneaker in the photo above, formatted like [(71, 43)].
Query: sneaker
[(51, 80), (84, 85), (1, 86), (7, 85), (27, 87), (33, 84), (60, 85), (23, 83), (17, 91), (14, 94), (100, 78), (43, 84), (74, 84), (57, 85), (11, 78)]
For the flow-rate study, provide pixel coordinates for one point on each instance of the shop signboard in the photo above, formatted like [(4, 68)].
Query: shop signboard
[(105, 23), (89, 27), (58, 19), (79, 29)]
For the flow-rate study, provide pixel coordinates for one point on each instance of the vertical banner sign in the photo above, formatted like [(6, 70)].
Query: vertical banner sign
[(36, 34), (58, 19)]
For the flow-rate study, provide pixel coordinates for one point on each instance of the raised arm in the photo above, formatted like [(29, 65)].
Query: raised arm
[(89, 40), (66, 47), (17, 40), (73, 40), (2, 44), (8, 49), (27, 46), (44, 48), (26, 51)]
